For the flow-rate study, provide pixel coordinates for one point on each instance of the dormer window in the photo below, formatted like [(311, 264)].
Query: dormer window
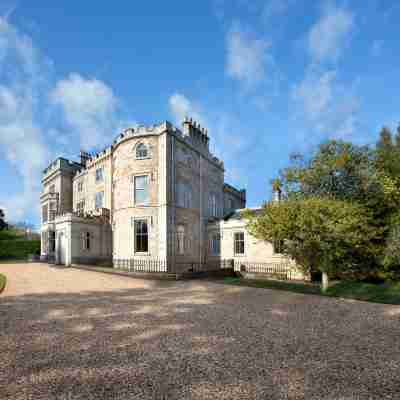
[(142, 151)]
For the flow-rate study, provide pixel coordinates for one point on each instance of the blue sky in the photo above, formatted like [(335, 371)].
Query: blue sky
[(266, 77)]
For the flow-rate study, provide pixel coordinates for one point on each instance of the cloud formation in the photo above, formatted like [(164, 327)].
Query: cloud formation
[(89, 107), (330, 34), (246, 57)]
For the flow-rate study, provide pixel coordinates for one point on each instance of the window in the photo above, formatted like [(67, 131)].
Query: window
[(99, 175), (99, 200), (180, 239), (52, 241), (141, 151), (185, 195), (80, 207), (212, 205), (86, 241), (53, 211), (141, 189), (239, 243), (80, 186), (52, 189), (141, 236), (45, 213), (215, 244), (231, 205)]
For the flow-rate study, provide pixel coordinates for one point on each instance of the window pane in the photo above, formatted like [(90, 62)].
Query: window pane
[(141, 236), (141, 151), (141, 189)]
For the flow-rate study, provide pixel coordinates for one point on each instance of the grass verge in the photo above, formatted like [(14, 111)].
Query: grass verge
[(376, 293), (3, 281)]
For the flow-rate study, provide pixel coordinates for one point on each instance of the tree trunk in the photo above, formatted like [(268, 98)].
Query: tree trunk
[(325, 281)]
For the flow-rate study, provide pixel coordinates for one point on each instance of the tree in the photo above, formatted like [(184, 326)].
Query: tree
[(333, 236), (3, 224), (338, 170)]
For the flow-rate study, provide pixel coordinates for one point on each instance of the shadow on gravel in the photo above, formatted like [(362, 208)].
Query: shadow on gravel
[(193, 341)]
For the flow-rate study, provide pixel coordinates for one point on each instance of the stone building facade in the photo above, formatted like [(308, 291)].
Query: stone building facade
[(150, 195)]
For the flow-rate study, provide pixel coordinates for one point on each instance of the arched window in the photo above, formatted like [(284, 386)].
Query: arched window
[(142, 151)]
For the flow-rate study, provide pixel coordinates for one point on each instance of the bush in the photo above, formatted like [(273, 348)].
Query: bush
[(18, 249)]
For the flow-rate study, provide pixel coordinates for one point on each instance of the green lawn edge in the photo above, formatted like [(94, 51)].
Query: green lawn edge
[(373, 293), (3, 281)]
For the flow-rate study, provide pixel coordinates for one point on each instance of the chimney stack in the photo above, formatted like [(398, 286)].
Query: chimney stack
[(85, 157)]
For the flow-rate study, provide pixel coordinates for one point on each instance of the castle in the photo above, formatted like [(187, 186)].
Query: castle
[(152, 194)]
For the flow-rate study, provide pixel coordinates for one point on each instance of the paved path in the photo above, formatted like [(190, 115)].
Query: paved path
[(72, 334)]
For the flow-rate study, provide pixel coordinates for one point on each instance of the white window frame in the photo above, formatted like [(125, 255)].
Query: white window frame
[(234, 243), (213, 205), (146, 202), (102, 199), (134, 220), (137, 148), (99, 175)]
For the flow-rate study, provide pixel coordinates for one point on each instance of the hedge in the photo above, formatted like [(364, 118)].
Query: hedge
[(18, 249)]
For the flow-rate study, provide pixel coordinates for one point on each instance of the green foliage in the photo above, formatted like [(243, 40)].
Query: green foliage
[(333, 236), (18, 249), (3, 281), (382, 293), (3, 224)]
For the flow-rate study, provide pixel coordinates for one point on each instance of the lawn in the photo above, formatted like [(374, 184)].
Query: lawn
[(376, 293)]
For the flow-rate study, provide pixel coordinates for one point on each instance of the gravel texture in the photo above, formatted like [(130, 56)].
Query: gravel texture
[(73, 334)]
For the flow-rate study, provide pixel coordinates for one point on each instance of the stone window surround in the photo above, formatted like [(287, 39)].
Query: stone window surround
[(136, 175), (136, 149), (99, 175), (148, 219), (86, 238)]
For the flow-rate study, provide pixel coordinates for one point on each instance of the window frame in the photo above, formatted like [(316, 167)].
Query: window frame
[(135, 247), (99, 177), (137, 149), (213, 205), (45, 213), (146, 202), (181, 240), (215, 250), (80, 187), (102, 199), (239, 241)]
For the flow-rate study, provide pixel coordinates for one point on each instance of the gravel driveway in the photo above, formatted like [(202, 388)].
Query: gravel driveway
[(72, 334)]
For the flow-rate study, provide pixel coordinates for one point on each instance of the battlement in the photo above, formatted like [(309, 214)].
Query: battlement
[(198, 134)]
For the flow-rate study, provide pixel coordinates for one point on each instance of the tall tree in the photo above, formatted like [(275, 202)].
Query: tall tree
[(333, 236), (3, 224)]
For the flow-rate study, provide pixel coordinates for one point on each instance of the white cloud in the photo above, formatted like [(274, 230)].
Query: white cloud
[(22, 74), (180, 107), (89, 106), (226, 140), (246, 57), (327, 106), (330, 34)]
